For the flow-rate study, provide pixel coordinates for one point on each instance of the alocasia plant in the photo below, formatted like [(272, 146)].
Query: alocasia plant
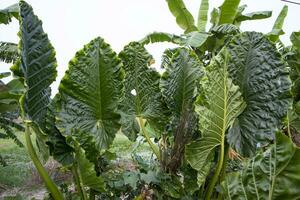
[(224, 89)]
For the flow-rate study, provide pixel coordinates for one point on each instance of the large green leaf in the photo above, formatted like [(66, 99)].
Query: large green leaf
[(90, 92), (161, 37), (8, 52), (273, 174), (257, 68), (10, 94), (193, 39), (179, 85), (58, 147), (254, 16), (8, 13), (38, 64), (183, 17), (202, 15), (277, 27), (180, 80), (88, 174), (142, 94), (228, 11), (221, 104), (293, 59)]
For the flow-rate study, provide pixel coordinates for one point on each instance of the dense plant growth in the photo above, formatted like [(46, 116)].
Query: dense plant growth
[(222, 120)]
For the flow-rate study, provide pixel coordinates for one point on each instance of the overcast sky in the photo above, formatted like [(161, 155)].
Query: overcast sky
[(72, 23)]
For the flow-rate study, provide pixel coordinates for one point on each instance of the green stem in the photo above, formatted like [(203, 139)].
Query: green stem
[(144, 132), (214, 180), (223, 172), (77, 179), (55, 193)]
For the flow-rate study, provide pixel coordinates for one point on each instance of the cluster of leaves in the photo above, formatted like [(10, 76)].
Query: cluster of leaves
[(10, 92), (224, 95)]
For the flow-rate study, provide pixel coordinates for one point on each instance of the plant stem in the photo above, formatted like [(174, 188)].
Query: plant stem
[(55, 193), (214, 180), (144, 132), (77, 179), (223, 172)]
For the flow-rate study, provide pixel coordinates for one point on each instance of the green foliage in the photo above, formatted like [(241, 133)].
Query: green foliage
[(179, 86), (221, 104), (90, 92), (228, 11), (8, 52), (38, 65), (223, 90), (253, 16), (202, 15), (277, 28), (179, 81), (8, 13), (263, 176), (183, 17), (257, 68), (142, 97), (88, 173)]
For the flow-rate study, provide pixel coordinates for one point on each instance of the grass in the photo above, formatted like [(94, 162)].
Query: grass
[(18, 167), (18, 173)]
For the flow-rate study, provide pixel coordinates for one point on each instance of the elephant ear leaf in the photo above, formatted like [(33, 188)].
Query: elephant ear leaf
[(179, 83), (88, 173), (38, 65), (89, 95), (218, 106), (183, 17), (257, 68), (142, 94), (263, 176)]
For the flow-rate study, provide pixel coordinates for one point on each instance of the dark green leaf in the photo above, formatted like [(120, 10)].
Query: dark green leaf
[(8, 13), (142, 94), (38, 64), (90, 93), (4, 75), (273, 174), (257, 68), (57, 143), (8, 52), (88, 173), (179, 82)]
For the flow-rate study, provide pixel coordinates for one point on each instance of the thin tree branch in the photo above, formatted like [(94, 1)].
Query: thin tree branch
[(297, 3)]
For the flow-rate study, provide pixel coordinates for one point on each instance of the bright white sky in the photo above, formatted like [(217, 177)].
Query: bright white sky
[(72, 23)]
